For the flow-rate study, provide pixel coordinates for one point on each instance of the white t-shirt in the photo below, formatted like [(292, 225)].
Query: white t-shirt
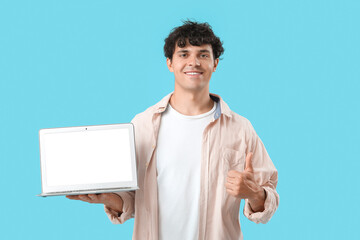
[(178, 162)]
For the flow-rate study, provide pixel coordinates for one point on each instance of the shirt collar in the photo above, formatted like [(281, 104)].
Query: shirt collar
[(221, 108)]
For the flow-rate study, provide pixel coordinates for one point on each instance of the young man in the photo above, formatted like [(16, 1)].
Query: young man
[(196, 158)]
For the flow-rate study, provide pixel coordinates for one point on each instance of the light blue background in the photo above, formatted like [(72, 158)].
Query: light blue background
[(291, 67)]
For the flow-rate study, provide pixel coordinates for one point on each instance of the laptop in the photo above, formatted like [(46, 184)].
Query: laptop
[(87, 159)]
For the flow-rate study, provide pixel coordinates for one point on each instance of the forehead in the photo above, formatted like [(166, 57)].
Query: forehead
[(191, 48)]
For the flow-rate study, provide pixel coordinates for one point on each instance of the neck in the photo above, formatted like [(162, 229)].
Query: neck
[(191, 103)]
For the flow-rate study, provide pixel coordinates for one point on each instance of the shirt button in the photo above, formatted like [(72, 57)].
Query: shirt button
[(153, 146), (147, 164)]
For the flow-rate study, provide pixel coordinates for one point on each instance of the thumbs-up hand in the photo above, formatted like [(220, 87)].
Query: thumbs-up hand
[(243, 185)]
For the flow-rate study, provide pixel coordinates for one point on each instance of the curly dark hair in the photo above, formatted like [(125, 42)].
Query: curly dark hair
[(197, 34)]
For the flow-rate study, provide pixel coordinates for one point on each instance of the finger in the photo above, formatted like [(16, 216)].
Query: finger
[(248, 162), (233, 180), (233, 174), (85, 198), (93, 197), (73, 197), (229, 185), (231, 192), (232, 187)]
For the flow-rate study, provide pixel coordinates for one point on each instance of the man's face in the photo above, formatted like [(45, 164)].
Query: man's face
[(192, 67)]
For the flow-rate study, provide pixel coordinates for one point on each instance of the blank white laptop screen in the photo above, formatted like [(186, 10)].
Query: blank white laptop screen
[(87, 158)]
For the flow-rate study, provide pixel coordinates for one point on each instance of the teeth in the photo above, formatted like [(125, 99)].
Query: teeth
[(192, 73)]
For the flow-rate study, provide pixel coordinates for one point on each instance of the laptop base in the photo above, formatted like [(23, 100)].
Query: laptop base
[(95, 191)]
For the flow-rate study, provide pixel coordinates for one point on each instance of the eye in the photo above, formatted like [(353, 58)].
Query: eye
[(183, 55), (204, 55)]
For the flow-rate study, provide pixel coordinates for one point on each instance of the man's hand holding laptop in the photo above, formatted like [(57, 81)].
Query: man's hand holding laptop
[(111, 200)]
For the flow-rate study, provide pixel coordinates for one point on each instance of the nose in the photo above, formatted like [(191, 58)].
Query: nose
[(194, 61)]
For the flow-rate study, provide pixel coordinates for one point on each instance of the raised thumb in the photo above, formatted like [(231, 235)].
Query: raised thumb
[(248, 162)]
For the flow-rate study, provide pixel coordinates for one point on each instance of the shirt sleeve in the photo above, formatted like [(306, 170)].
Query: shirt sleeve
[(128, 208), (128, 198), (266, 176)]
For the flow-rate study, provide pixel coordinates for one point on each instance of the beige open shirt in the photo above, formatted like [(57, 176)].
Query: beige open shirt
[(226, 141)]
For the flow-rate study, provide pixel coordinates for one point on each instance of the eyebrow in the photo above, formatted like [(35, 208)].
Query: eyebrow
[(186, 51), (182, 51)]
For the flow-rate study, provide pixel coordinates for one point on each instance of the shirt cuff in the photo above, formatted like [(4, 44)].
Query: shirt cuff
[(128, 209), (270, 207)]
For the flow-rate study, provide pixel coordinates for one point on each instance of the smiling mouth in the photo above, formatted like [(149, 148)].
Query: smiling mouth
[(193, 73)]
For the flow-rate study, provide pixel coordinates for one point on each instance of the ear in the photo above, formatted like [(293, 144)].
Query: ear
[(169, 65), (216, 62)]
